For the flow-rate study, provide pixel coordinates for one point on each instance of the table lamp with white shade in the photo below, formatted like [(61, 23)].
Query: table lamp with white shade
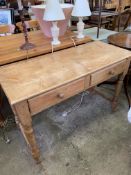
[(54, 13), (81, 9)]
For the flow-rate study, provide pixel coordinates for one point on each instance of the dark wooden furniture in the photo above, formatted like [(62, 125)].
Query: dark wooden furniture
[(123, 40), (128, 22)]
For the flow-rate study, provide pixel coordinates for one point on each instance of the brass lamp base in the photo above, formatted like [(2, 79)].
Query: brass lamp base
[(27, 46)]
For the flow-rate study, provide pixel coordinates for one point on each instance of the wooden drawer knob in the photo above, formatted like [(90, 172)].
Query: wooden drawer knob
[(111, 72), (61, 96)]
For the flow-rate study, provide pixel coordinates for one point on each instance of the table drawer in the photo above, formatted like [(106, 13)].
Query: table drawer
[(41, 102), (107, 73)]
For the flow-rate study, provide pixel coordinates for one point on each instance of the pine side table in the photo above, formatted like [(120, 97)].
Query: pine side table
[(41, 82)]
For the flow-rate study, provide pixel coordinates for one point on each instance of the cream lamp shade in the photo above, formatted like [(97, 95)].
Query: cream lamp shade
[(53, 11), (81, 8)]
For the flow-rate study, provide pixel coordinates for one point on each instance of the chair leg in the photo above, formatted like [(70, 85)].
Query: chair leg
[(127, 22)]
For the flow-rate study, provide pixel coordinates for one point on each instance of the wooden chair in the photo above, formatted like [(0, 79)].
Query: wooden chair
[(122, 13), (127, 26), (31, 25), (7, 29)]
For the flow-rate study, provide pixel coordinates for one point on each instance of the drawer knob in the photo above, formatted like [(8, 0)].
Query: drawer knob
[(61, 96), (111, 72)]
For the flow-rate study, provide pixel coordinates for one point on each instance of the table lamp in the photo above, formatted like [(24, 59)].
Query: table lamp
[(27, 45), (54, 13), (81, 9)]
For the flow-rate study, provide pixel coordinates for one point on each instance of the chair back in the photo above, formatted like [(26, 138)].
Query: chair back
[(120, 5), (31, 25), (7, 29)]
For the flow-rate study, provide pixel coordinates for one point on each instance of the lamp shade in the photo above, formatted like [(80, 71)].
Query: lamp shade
[(81, 8), (53, 11)]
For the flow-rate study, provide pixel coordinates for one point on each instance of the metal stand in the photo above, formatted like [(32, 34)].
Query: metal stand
[(99, 23), (27, 45)]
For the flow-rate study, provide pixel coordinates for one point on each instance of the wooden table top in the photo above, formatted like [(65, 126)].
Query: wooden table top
[(121, 40), (29, 78), (10, 45)]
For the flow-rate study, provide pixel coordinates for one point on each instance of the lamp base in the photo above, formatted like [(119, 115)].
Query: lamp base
[(27, 46), (80, 36), (80, 28), (55, 33), (55, 42)]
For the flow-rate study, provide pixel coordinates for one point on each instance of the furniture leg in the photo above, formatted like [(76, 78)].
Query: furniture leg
[(117, 91), (114, 23), (119, 22), (126, 83), (99, 22), (25, 123), (119, 85), (127, 22)]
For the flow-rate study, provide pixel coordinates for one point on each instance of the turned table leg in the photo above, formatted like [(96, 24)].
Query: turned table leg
[(117, 91), (25, 123), (126, 81), (119, 86)]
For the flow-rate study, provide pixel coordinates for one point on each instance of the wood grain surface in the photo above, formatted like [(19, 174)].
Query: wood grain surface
[(121, 40), (29, 78), (10, 45)]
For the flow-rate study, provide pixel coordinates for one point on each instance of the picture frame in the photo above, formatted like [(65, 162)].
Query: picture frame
[(6, 16), (3, 3)]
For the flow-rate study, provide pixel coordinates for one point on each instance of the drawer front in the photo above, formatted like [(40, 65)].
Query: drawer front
[(41, 102), (107, 73)]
